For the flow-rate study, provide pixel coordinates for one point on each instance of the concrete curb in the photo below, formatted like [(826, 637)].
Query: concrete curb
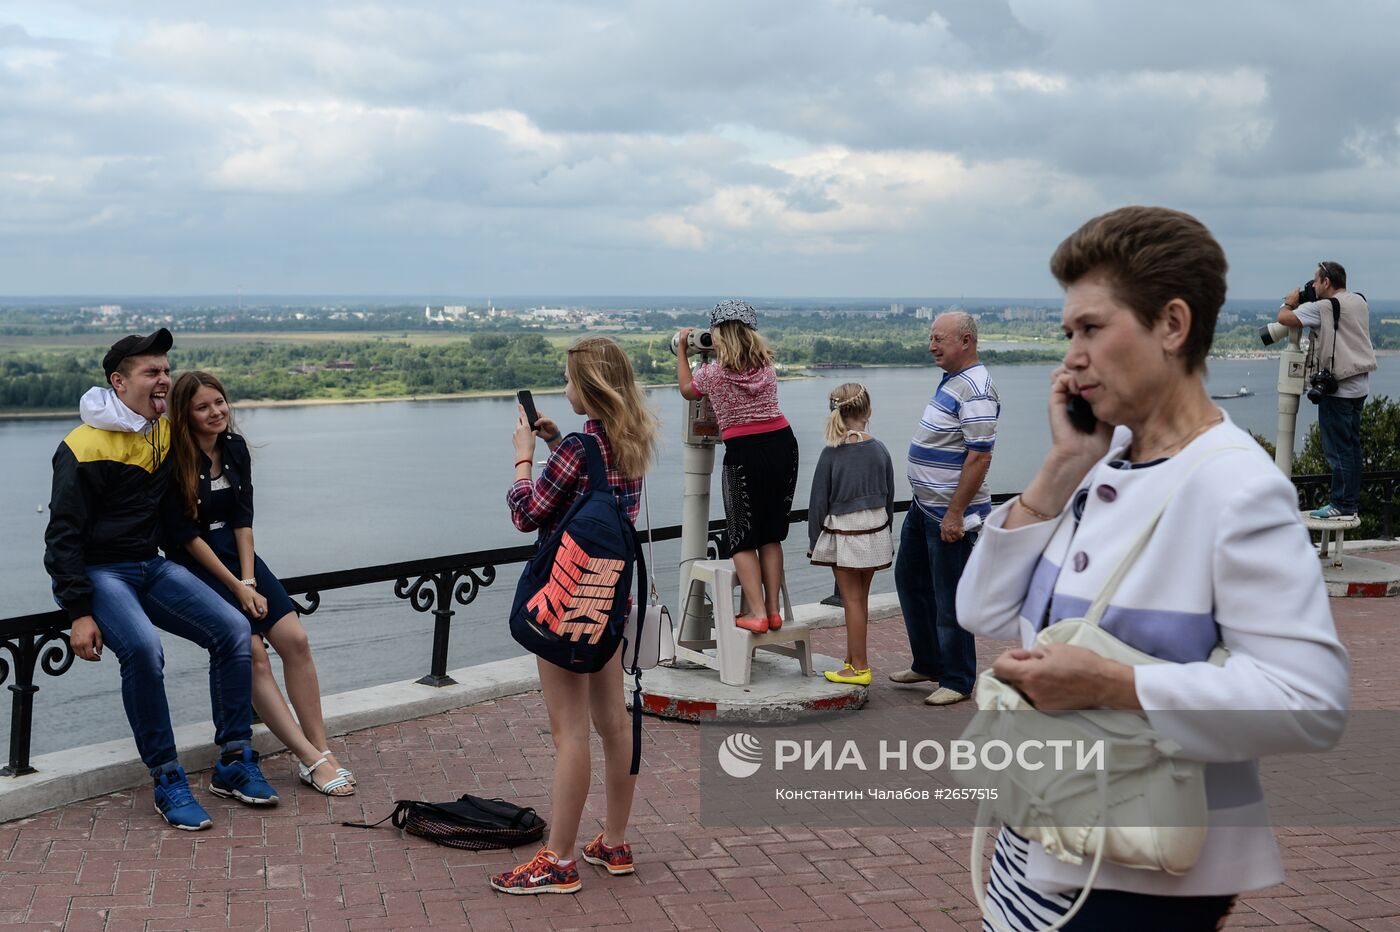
[(76, 774), (1363, 546), (882, 605)]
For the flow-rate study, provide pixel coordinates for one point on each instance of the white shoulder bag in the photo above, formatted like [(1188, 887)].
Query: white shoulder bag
[(658, 638), (1145, 809)]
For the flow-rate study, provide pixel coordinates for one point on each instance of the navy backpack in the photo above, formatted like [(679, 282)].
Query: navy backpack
[(571, 602)]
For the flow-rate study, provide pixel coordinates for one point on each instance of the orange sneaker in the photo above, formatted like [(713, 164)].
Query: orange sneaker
[(775, 621), (541, 874), (617, 860), (756, 624)]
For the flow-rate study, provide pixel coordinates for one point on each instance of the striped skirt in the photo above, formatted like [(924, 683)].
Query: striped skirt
[(1020, 907)]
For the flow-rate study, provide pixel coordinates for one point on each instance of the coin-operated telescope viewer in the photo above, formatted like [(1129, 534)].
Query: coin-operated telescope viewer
[(1290, 388), (699, 434)]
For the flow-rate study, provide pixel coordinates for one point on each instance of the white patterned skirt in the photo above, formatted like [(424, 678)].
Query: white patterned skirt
[(860, 540)]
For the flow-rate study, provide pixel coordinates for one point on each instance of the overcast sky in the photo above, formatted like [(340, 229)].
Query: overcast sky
[(812, 147)]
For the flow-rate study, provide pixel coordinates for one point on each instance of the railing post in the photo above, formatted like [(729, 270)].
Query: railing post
[(442, 630), (25, 653), (460, 584)]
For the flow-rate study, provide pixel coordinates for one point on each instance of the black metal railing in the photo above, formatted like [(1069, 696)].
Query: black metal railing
[(40, 641)]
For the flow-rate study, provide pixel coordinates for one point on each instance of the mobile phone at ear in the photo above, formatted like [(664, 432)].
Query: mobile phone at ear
[(527, 401), (1081, 415)]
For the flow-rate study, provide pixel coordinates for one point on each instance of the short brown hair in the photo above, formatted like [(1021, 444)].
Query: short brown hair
[(1150, 256)]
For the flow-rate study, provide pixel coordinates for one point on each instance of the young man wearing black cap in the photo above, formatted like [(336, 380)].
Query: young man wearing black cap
[(108, 479)]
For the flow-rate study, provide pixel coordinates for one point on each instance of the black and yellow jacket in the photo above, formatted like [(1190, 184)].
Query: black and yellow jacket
[(105, 508)]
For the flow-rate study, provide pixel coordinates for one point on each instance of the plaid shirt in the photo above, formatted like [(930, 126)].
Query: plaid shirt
[(539, 504)]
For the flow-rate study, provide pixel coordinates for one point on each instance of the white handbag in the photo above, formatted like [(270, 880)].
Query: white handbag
[(1145, 809), (657, 642)]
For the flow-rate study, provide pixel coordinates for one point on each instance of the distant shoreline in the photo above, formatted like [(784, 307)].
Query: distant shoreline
[(310, 402), (798, 372)]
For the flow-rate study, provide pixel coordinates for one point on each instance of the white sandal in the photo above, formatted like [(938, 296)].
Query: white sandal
[(341, 771), (306, 773)]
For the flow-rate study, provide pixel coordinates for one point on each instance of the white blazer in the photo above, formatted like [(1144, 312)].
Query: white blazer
[(1230, 562)]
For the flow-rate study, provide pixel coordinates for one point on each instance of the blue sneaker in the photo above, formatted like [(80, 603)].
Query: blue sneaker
[(243, 780), (1329, 511), (176, 804)]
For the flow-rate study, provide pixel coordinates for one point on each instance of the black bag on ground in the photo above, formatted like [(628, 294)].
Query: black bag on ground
[(471, 822)]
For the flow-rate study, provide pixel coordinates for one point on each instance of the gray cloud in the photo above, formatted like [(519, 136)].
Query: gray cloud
[(824, 146)]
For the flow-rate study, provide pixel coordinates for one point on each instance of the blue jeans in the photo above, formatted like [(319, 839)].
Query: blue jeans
[(926, 574), (129, 602), (1339, 423)]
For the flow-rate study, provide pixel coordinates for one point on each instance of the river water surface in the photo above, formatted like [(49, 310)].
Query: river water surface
[(341, 486)]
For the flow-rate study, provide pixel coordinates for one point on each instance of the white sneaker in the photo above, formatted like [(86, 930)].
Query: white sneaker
[(909, 676), (944, 696)]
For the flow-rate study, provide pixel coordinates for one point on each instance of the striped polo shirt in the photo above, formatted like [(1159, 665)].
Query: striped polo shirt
[(961, 416)]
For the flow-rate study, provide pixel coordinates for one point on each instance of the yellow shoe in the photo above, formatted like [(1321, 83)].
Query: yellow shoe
[(853, 678)]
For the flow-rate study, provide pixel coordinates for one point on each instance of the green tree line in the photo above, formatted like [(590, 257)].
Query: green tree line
[(277, 370)]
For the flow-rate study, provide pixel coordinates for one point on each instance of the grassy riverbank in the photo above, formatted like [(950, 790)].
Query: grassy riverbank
[(46, 375)]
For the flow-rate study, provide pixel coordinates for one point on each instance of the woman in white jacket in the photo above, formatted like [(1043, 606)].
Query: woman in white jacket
[(1229, 563)]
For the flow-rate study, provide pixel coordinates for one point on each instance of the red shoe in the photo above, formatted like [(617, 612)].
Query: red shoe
[(775, 621), (617, 860), (541, 874), (758, 625)]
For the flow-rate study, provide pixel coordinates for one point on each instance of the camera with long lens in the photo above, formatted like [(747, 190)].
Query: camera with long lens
[(1321, 384), (700, 341)]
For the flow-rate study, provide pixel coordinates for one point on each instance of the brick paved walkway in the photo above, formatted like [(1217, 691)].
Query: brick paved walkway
[(111, 864)]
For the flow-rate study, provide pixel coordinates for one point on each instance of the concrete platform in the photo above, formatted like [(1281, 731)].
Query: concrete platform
[(1359, 577), (778, 692)]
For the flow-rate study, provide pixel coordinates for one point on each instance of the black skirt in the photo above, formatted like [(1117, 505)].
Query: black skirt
[(760, 478)]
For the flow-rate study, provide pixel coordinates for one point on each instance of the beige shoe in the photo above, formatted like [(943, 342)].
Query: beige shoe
[(944, 696), (909, 676)]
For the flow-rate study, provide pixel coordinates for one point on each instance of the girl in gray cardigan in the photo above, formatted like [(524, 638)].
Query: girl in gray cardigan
[(849, 518)]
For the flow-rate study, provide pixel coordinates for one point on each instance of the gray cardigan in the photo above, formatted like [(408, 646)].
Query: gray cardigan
[(849, 478)]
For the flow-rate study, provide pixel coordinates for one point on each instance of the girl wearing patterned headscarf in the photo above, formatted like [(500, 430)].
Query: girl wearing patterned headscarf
[(760, 454)]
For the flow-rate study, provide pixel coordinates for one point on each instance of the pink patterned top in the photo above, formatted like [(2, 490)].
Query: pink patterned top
[(744, 402)]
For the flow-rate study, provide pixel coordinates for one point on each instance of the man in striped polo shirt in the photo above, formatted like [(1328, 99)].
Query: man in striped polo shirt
[(948, 460)]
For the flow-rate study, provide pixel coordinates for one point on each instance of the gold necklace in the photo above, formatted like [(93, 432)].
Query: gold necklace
[(1181, 444)]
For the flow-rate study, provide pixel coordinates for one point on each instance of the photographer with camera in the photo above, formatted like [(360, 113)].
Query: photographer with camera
[(1340, 360)]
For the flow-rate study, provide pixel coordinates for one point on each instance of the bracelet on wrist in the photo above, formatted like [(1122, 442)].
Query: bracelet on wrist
[(251, 583), (519, 462), (1031, 511)]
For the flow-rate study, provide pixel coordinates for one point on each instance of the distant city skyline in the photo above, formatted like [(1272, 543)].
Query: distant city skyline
[(845, 149)]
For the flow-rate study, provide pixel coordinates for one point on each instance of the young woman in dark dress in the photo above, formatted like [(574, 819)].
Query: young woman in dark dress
[(208, 527)]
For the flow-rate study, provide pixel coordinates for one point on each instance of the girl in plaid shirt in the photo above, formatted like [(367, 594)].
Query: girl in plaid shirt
[(599, 384)]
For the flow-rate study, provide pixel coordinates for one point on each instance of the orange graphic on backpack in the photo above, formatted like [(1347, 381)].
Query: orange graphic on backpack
[(574, 604)]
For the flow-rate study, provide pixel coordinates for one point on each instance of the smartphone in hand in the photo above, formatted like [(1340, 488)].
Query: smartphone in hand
[(527, 401), (1081, 415)]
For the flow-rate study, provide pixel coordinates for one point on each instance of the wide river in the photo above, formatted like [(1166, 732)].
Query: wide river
[(341, 486)]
